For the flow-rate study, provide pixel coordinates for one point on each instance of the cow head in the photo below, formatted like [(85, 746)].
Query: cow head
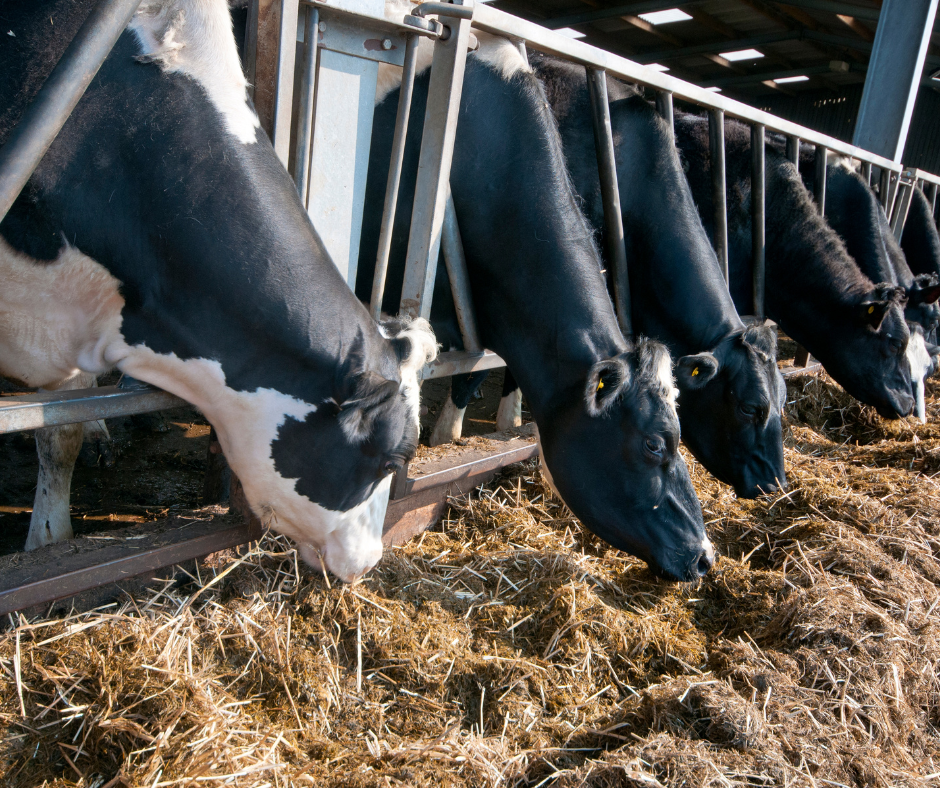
[(922, 302), (622, 428), (866, 352), (731, 400)]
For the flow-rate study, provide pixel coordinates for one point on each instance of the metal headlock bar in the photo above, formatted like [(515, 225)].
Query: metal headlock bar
[(434, 221)]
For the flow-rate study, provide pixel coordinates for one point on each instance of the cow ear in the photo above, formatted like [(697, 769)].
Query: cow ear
[(926, 289), (413, 341), (694, 372), (357, 415), (873, 312), (605, 382)]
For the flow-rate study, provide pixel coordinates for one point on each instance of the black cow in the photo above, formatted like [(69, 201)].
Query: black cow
[(814, 290), (855, 213), (604, 406), (160, 234), (730, 391), (920, 240)]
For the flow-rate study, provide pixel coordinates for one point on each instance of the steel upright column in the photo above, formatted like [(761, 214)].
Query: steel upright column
[(664, 106), (758, 192), (793, 150), (716, 143), (819, 180), (437, 151), (610, 194), (894, 73)]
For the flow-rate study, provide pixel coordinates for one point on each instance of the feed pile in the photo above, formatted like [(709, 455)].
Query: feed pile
[(510, 647)]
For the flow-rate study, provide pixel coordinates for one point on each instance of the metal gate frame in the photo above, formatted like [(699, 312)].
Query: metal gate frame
[(433, 220)]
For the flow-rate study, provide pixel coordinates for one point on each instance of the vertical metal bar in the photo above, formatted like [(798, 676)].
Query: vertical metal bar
[(456, 262), (63, 89), (437, 150), (251, 46), (866, 172), (819, 180), (664, 107), (884, 187), (901, 206), (308, 85), (520, 45), (758, 193), (394, 175), (793, 150), (716, 144), (610, 194), (932, 196), (284, 90)]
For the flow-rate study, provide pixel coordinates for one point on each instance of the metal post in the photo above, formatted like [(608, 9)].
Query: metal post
[(284, 90), (758, 193), (932, 196), (520, 45), (456, 263), (664, 107), (307, 87), (610, 194), (394, 175), (251, 46), (793, 150), (437, 150), (819, 181), (890, 193), (884, 188), (894, 74), (63, 89), (866, 172), (716, 144), (901, 206)]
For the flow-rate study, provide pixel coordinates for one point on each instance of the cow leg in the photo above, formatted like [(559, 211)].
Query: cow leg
[(509, 414), (449, 426), (58, 448)]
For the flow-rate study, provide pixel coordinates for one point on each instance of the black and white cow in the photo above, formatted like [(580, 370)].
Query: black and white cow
[(730, 391), (855, 213), (604, 406), (161, 235), (814, 290)]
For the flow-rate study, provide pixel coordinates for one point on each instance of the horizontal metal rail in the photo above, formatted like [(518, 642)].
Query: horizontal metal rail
[(52, 408), (490, 20)]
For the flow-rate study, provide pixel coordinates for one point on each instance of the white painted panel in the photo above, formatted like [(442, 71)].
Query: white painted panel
[(340, 157)]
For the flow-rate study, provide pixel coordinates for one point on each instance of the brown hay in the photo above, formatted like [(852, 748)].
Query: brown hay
[(511, 648)]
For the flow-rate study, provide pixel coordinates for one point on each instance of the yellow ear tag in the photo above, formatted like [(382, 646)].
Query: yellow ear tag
[(600, 385), (695, 372), (871, 309)]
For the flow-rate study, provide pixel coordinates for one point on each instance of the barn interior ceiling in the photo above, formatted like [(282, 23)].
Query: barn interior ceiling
[(751, 50)]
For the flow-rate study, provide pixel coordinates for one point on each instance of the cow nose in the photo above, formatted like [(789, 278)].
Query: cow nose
[(706, 559)]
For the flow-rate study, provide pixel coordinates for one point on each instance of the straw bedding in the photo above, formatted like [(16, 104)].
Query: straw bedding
[(510, 647)]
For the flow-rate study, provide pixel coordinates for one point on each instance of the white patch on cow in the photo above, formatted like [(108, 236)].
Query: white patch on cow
[(57, 318), (667, 381), (449, 425), (850, 164), (424, 349), (494, 50), (509, 414), (194, 37), (919, 360), (709, 550)]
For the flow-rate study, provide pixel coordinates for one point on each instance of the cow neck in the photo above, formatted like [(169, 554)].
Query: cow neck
[(262, 297), (666, 243), (535, 272), (920, 240), (679, 292)]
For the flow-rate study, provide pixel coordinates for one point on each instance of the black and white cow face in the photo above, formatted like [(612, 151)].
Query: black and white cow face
[(192, 265), (871, 363), (731, 401), (625, 424)]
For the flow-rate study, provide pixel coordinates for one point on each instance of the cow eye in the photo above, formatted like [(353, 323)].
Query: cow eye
[(748, 411), (655, 446), (896, 345), (390, 466)]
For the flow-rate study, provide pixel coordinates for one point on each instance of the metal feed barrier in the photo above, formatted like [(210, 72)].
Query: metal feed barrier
[(322, 135)]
